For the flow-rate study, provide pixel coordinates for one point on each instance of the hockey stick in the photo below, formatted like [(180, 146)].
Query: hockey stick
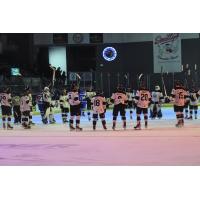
[(140, 79), (54, 74), (163, 82), (79, 78)]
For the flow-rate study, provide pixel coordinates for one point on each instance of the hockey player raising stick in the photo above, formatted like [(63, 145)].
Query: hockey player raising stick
[(120, 101), (75, 108), (47, 102), (89, 95), (142, 101), (25, 109), (157, 100), (99, 108), (6, 108), (178, 97), (64, 106)]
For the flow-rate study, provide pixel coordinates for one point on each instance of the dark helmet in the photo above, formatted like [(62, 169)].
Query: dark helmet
[(99, 92), (143, 86), (74, 87), (7, 90), (120, 88)]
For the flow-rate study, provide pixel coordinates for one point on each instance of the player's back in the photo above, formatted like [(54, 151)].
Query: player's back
[(5, 99), (73, 98), (24, 103), (179, 94), (119, 98), (143, 98), (99, 103)]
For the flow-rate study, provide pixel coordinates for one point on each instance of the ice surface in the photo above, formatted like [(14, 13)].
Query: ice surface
[(160, 144)]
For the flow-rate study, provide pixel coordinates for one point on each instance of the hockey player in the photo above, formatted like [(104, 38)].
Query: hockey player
[(157, 100), (120, 101), (16, 108), (25, 109), (48, 112), (89, 95), (142, 101), (193, 102), (82, 98), (75, 108), (99, 108), (64, 106), (40, 103), (130, 96), (186, 106), (178, 97), (31, 105), (6, 108)]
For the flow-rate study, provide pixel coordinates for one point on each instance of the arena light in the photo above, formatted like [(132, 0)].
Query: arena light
[(109, 53)]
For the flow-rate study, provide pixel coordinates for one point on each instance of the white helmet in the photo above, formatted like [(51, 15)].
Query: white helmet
[(46, 89), (157, 87)]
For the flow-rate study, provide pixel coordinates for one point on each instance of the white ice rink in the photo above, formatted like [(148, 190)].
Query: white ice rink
[(160, 144)]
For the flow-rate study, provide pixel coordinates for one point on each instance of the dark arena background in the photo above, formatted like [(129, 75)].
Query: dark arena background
[(100, 62)]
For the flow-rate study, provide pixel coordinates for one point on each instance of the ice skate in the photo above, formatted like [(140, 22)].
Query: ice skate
[(9, 127), (195, 117), (27, 127), (179, 124), (104, 127), (190, 117), (94, 127), (138, 126), (71, 127), (78, 128)]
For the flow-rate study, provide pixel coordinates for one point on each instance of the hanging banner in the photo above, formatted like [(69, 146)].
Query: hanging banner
[(167, 52)]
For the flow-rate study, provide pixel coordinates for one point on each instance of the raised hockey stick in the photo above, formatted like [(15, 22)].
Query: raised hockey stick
[(54, 74), (163, 82), (78, 78)]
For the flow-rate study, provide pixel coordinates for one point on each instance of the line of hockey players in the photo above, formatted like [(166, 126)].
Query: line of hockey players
[(72, 105)]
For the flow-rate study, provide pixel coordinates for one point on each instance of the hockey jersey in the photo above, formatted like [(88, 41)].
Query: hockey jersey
[(64, 101), (130, 96), (119, 98), (142, 98), (24, 103), (157, 97), (73, 98), (47, 97), (194, 98), (179, 96), (98, 104), (6, 99)]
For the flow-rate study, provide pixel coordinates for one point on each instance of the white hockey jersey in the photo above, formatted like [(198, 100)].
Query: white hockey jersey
[(73, 98), (194, 98), (142, 98), (64, 101), (6, 99), (119, 98), (157, 97), (24, 103), (47, 97), (98, 104), (130, 96)]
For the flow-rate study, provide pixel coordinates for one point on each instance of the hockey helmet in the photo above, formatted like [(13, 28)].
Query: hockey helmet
[(46, 89), (157, 88)]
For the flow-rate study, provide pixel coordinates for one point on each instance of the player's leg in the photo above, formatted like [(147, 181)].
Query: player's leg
[(3, 116), (138, 113), (15, 114), (123, 115), (95, 118), (103, 121), (63, 115), (9, 114), (71, 121), (130, 106), (18, 114), (195, 111), (89, 108), (78, 116), (159, 111), (186, 110), (151, 111), (145, 112), (31, 116), (67, 113), (115, 113), (191, 111), (26, 115)]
